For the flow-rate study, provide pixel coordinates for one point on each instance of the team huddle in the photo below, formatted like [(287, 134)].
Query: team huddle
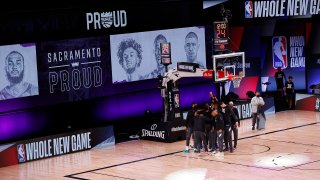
[(213, 126)]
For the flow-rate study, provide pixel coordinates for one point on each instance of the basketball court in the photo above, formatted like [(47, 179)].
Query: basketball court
[(287, 149), (96, 90)]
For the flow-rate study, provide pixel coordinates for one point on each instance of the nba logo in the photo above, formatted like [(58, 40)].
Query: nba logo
[(279, 51), (248, 9), (21, 153)]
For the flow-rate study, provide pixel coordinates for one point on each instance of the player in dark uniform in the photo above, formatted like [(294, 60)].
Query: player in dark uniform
[(213, 98), (199, 130), (189, 124), (289, 89), (208, 125), (280, 78), (227, 114), (218, 129), (235, 123), (213, 132)]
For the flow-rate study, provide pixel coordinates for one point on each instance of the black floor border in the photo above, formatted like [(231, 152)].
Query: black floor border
[(294, 167), (154, 157), (112, 176), (121, 164), (293, 142), (72, 177), (271, 132)]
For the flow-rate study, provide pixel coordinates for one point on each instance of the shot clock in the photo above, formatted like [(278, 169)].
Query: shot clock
[(221, 35)]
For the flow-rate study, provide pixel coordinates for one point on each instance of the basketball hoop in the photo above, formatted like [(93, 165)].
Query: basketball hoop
[(236, 80)]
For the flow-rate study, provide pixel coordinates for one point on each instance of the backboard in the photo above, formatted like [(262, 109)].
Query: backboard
[(228, 66)]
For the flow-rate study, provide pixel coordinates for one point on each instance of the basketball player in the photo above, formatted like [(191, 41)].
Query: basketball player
[(227, 113), (213, 132), (213, 98), (289, 89), (199, 130), (218, 129), (235, 123), (280, 77), (208, 125), (189, 124)]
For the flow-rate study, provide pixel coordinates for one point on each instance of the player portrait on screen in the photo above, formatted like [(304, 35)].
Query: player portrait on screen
[(15, 74), (160, 69), (191, 48), (130, 57)]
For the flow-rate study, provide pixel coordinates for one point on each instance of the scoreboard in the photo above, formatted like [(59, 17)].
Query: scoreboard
[(221, 35)]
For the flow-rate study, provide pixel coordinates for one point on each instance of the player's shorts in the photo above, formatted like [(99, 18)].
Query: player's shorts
[(280, 86), (290, 96)]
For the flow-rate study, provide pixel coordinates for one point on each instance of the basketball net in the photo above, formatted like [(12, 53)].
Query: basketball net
[(236, 80)]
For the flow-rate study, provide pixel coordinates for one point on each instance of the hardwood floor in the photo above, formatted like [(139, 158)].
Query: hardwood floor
[(289, 148)]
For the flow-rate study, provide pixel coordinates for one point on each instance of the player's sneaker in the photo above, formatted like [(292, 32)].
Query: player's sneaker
[(219, 154), (186, 151)]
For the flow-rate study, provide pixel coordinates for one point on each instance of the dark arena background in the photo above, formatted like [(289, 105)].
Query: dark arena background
[(78, 92)]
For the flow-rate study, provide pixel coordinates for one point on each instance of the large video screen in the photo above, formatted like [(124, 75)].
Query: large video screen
[(18, 71), (136, 56), (313, 62)]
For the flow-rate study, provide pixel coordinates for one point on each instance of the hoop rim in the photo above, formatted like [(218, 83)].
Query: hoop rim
[(232, 77)]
